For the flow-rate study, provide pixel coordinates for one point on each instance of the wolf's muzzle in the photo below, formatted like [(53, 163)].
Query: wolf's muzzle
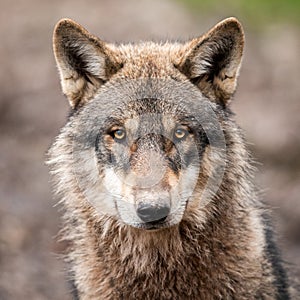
[(152, 213)]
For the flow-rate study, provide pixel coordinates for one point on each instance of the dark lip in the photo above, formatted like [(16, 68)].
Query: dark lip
[(152, 227), (155, 227)]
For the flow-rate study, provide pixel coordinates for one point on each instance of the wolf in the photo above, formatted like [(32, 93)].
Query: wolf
[(153, 174)]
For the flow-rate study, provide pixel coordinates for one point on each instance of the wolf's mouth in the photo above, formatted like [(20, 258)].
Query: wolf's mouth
[(152, 226)]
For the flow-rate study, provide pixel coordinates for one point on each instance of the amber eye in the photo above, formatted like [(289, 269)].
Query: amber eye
[(119, 134), (180, 133)]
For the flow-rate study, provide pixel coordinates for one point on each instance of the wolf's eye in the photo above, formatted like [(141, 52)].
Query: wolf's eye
[(180, 133), (119, 134)]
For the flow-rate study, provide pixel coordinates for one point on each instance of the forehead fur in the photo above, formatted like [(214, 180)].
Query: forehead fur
[(149, 59)]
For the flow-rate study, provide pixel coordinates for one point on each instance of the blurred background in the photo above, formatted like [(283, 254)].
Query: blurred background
[(32, 109)]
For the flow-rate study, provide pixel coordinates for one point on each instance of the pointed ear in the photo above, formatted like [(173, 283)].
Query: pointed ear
[(212, 62), (84, 61)]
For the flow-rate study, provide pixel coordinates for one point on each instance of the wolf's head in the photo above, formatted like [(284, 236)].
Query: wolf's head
[(145, 142)]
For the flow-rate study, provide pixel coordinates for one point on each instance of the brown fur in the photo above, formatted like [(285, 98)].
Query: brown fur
[(217, 251)]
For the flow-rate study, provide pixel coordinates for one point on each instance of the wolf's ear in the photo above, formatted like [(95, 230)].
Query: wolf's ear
[(83, 60), (212, 62)]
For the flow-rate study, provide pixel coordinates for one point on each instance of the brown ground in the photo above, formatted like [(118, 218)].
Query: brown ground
[(32, 110)]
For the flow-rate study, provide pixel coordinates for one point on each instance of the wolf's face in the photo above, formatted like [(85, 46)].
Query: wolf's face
[(151, 162), (146, 119), (140, 160)]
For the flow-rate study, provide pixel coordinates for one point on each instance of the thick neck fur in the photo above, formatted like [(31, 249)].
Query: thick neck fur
[(214, 259)]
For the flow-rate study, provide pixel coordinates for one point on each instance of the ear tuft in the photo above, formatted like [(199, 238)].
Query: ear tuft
[(212, 62), (84, 61)]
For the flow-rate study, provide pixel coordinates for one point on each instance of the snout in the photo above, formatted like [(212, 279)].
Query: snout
[(152, 210), (151, 213)]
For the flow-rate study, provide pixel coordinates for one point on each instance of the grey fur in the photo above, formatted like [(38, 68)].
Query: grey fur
[(215, 242)]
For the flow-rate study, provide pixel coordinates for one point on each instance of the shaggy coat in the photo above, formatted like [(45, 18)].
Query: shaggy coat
[(221, 248)]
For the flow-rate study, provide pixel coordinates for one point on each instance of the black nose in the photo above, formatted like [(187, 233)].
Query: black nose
[(154, 214)]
